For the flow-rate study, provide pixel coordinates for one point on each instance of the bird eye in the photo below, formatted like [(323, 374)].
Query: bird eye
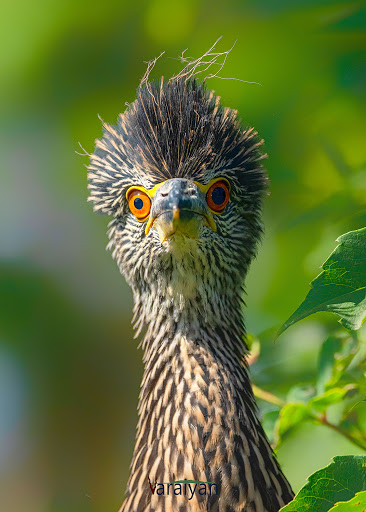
[(218, 196), (139, 204)]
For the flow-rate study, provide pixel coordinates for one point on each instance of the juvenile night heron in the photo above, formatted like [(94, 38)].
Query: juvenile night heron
[(183, 183)]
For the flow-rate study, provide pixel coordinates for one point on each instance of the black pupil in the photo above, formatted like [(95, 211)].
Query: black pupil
[(218, 195), (138, 203)]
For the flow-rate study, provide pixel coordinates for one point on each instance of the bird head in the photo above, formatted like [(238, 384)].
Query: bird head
[(183, 182)]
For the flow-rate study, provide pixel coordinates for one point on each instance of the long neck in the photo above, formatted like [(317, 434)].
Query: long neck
[(197, 414)]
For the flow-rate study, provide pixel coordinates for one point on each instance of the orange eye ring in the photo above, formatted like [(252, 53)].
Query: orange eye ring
[(139, 204), (218, 196)]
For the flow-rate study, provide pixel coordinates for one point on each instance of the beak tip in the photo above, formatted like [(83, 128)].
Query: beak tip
[(176, 213)]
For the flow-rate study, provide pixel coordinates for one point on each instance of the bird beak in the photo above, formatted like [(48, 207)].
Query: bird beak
[(179, 206)]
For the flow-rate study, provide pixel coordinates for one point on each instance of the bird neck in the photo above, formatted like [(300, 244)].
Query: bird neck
[(191, 327), (197, 413), (191, 344), (194, 382)]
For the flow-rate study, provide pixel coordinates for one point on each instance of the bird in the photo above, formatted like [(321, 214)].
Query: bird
[(183, 181)]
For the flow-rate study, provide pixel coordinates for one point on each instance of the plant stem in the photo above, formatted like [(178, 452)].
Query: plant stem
[(267, 396), (323, 421)]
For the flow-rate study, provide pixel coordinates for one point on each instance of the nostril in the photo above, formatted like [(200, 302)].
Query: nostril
[(164, 194)]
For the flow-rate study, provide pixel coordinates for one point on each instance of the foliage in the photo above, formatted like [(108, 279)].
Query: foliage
[(338, 482), (338, 395), (336, 400), (341, 286)]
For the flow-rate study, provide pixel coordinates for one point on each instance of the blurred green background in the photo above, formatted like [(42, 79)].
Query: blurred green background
[(69, 369)]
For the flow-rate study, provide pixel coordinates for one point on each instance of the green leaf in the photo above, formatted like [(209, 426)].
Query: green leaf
[(300, 393), (340, 481), (341, 286), (332, 396), (357, 504), (335, 356), (290, 416)]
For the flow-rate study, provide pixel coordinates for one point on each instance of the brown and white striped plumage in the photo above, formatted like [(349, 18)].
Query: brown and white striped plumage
[(197, 415)]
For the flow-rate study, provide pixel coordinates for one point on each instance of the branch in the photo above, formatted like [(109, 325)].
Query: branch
[(267, 396)]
